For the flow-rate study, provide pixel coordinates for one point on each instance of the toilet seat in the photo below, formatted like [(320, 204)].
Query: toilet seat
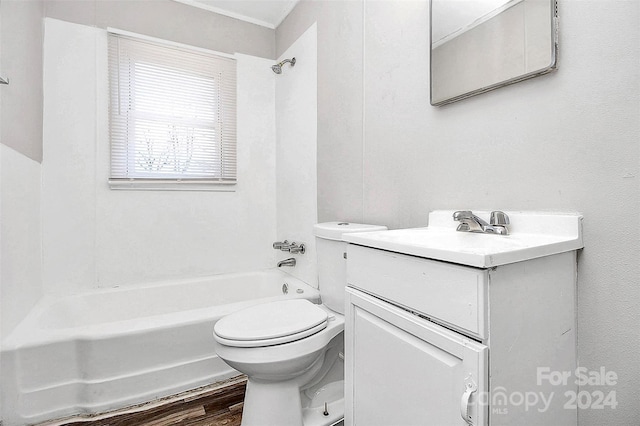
[(270, 324)]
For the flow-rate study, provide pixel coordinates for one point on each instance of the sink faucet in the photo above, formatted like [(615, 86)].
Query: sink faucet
[(287, 262), (469, 222)]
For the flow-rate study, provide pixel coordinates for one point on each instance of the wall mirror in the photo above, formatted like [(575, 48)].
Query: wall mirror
[(481, 45)]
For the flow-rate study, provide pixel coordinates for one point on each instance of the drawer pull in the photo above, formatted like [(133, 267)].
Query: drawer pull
[(469, 388)]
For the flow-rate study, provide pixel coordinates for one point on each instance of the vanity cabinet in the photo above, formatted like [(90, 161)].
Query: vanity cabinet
[(429, 342)]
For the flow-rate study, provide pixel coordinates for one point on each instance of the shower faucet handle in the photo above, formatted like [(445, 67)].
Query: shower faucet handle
[(281, 245), (296, 248)]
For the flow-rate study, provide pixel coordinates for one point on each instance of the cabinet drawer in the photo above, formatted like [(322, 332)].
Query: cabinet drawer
[(452, 294)]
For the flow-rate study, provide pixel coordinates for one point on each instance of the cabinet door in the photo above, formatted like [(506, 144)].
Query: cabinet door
[(403, 370)]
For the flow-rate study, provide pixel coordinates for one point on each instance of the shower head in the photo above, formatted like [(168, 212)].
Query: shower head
[(277, 68)]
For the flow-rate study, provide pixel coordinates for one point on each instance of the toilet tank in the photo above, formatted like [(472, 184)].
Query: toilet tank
[(332, 264)]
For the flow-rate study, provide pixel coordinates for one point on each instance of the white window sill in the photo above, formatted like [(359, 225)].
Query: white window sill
[(171, 185)]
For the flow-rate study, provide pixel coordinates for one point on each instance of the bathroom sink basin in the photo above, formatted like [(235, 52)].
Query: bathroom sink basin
[(531, 235)]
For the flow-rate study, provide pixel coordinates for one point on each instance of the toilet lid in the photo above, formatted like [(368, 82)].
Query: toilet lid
[(271, 323)]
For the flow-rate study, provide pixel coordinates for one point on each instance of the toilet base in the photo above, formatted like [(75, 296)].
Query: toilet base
[(300, 401), (265, 407)]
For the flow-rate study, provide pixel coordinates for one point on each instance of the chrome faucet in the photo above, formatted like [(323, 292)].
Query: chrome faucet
[(287, 262), (469, 222), (293, 248)]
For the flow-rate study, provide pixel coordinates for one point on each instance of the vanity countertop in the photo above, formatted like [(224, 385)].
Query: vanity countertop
[(531, 235)]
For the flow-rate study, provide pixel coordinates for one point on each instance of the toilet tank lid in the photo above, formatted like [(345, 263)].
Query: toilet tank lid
[(335, 230)]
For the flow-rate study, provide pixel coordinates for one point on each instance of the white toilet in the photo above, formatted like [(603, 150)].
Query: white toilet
[(291, 350)]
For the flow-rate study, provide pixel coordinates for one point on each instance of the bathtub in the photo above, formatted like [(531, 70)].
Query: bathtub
[(111, 348)]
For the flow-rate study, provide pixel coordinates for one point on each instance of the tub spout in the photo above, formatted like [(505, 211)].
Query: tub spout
[(287, 262)]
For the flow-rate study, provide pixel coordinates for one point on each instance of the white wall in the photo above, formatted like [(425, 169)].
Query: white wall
[(339, 148), (20, 151), (296, 118), (565, 141), (93, 236), (20, 267), (21, 100)]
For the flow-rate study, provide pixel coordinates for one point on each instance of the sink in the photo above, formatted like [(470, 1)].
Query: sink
[(531, 235)]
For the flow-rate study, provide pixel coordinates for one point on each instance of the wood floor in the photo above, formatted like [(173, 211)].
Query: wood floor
[(215, 405)]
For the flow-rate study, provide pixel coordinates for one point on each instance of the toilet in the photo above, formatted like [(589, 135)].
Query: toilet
[(292, 350)]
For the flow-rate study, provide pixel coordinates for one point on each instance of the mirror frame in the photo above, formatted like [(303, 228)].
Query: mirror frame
[(549, 68)]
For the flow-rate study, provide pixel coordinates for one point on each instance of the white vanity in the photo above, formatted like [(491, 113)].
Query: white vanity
[(455, 328)]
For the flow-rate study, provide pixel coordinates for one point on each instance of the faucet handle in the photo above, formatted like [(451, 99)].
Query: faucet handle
[(499, 218), (278, 245), (295, 248), (462, 214)]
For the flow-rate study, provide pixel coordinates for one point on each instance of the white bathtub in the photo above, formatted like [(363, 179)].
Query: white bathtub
[(107, 349)]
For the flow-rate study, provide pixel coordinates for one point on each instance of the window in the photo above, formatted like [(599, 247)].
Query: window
[(172, 116)]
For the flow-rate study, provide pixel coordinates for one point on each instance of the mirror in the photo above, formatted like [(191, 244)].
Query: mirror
[(481, 45)]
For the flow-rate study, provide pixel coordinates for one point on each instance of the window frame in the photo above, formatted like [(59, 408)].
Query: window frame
[(213, 183)]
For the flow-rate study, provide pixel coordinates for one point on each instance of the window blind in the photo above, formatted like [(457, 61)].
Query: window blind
[(172, 115)]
